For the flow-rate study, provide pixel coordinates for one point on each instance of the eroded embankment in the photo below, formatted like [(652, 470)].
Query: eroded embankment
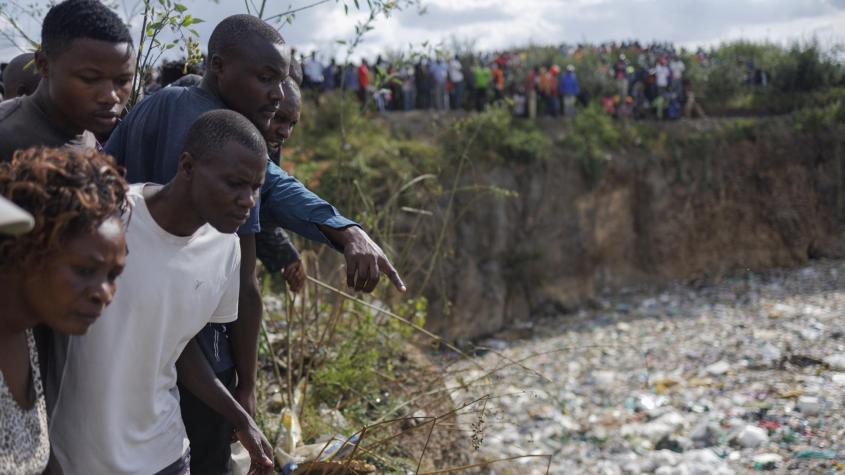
[(695, 200)]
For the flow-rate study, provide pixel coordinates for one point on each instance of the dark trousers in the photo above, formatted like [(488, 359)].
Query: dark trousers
[(179, 467), (209, 434)]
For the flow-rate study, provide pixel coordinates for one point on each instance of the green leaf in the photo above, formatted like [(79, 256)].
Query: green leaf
[(180, 8)]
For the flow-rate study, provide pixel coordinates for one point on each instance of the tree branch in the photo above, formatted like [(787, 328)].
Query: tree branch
[(291, 11)]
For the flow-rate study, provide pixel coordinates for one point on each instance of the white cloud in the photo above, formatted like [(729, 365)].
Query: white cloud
[(497, 24)]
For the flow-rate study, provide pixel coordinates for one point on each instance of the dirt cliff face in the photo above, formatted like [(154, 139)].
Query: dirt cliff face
[(693, 210)]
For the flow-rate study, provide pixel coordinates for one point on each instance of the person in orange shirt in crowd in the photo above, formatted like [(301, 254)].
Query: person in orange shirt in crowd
[(498, 81)]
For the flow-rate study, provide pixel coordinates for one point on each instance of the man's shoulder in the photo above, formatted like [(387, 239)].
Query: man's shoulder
[(9, 108), (21, 127), (176, 96)]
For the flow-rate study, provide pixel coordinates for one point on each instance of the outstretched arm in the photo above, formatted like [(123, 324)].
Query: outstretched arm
[(287, 202)]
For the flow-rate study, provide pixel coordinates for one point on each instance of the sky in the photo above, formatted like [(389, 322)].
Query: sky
[(497, 24)]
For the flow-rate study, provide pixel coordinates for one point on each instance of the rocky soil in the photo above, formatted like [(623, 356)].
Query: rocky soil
[(741, 376)]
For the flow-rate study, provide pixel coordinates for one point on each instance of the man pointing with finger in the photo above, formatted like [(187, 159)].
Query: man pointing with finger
[(247, 63)]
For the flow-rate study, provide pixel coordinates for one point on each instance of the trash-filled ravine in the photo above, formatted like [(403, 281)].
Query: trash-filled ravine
[(742, 375)]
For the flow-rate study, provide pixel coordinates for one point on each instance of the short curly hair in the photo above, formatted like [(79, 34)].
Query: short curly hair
[(75, 19), (233, 31), (68, 192)]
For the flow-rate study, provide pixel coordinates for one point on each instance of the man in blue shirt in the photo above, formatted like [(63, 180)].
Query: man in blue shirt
[(247, 63)]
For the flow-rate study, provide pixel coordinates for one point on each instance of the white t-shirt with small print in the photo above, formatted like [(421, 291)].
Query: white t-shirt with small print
[(118, 409)]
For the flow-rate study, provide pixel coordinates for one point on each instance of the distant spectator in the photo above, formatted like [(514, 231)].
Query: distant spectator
[(423, 78), (330, 76), (456, 76), (677, 67), (313, 71), (548, 91), (350, 78), (21, 77), (498, 81), (661, 74), (482, 77), (620, 75), (531, 92), (519, 102), (363, 74), (409, 88), (440, 74), (569, 90)]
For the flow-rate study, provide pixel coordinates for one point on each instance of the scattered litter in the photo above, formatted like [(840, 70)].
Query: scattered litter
[(688, 381)]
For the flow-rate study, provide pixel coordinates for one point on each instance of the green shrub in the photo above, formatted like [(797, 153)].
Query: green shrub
[(593, 138), (498, 137)]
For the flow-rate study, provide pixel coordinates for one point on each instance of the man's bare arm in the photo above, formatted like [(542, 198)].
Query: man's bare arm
[(244, 331), (195, 375)]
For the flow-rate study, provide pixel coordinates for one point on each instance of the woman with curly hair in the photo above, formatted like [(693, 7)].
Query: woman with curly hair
[(61, 274)]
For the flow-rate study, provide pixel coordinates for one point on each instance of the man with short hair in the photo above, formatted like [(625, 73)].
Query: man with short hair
[(20, 78), (247, 64), (118, 411), (86, 63), (273, 247)]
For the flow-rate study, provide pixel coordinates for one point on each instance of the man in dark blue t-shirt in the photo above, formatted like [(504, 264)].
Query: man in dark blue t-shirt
[(247, 62)]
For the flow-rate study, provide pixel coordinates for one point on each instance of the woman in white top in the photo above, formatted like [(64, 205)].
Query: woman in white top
[(60, 274)]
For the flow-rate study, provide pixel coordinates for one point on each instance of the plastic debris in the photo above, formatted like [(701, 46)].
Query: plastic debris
[(688, 380)]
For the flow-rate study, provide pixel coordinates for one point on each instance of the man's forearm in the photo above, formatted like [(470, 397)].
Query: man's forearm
[(244, 331), (195, 374), (285, 201), (339, 237), (244, 334)]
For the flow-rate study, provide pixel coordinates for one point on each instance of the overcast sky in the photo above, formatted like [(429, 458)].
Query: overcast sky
[(495, 24)]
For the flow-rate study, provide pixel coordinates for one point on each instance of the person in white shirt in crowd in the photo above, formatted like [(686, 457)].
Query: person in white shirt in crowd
[(456, 77), (313, 71), (677, 67)]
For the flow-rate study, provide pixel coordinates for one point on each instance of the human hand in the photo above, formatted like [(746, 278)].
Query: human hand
[(260, 451), (294, 274), (246, 398), (365, 261)]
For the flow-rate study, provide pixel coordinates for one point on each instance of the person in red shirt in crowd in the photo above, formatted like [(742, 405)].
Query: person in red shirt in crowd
[(363, 81), (554, 97)]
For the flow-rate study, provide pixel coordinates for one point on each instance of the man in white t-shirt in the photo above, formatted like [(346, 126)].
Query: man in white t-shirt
[(118, 409)]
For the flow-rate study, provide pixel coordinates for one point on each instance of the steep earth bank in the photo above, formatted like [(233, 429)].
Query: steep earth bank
[(685, 207)]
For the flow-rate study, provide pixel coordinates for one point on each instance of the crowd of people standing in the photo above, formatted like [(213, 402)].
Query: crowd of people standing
[(627, 80)]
